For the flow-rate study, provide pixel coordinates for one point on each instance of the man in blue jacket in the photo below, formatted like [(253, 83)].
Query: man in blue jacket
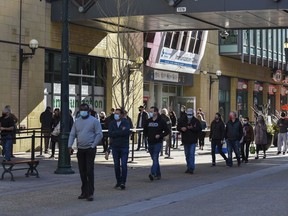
[(119, 133)]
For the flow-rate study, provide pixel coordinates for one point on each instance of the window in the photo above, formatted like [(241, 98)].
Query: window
[(184, 38), (149, 37), (175, 40), (168, 39)]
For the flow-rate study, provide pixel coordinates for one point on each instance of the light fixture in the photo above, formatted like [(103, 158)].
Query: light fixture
[(244, 86), (174, 3), (223, 34), (260, 88)]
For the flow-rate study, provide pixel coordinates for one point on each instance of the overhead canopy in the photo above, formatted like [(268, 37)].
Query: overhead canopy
[(157, 15)]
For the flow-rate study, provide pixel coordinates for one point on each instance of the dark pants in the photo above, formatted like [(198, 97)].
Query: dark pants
[(154, 150), (105, 143), (219, 145), (259, 147), (7, 143), (54, 139), (202, 138), (86, 159), (245, 148), (46, 134), (233, 145), (141, 137), (120, 157)]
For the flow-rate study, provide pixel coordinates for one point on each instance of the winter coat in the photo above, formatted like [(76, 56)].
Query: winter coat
[(119, 135), (217, 130), (260, 134), (234, 130), (248, 133), (190, 136), (282, 124)]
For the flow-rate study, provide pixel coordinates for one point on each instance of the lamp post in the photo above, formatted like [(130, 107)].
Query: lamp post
[(212, 80), (64, 160)]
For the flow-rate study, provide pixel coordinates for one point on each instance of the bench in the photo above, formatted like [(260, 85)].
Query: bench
[(8, 167)]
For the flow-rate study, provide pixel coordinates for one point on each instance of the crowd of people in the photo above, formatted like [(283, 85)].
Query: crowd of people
[(154, 128)]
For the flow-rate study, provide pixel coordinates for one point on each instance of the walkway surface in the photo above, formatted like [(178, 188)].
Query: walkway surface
[(257, 188)]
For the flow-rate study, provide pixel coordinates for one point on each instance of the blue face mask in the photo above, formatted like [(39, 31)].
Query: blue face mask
[(116, 117), (151, 114), (83, 114)]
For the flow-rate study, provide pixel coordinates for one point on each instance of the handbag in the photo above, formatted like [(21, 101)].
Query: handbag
[(252, 149), (56, 130)]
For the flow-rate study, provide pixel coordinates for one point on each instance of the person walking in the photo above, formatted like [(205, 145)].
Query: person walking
[(46, 118), (260, 133), (105, 144), (155, 130), (190, 128), (173, 118), (233, 135), (282, 135), (164, 115), (202, 133), (7, 129), (55, 131), (141, 121), (217, 136), (248, 137), (119, 133), (88, 131)]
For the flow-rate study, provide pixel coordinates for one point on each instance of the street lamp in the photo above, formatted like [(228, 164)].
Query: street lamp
[(212, 80)]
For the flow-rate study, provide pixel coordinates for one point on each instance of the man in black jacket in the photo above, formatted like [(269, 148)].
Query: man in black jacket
[(217, 136), (141, 121), (155, 130), (233, 135), (46, 122), (190, 128)]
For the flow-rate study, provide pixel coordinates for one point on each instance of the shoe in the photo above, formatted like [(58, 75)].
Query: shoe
[(82, 196), (90, 198), (213, 165), (106, 155), (52, 156), (157, 177), (284, 153), (246, 161), (264, 156), (278, 152), (257, 157), (122, 187), (191, 171), (151, 177), (12, 156), (239, 163), (187, 171), (138, 149), (46, 152), (117, 185)]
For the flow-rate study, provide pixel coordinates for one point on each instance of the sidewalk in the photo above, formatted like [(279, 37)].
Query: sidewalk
[(53, 194)]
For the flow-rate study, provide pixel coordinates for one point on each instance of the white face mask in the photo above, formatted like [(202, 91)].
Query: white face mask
[(151, 114)]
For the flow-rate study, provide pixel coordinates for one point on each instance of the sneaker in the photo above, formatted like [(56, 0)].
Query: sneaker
[(117, 185), (90, 198), (187, 171), (284, 153), (151, 177), (213, 165), (278, 152), (106, 155), (122, 187), (13, 156), (82, 196), (257, 157), (52, 156), (191, 171), (158, 177)]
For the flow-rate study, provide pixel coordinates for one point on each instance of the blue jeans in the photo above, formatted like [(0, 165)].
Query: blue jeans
[(154, 151), (233, 145), (120, 157), (189, 150), (7, 143)]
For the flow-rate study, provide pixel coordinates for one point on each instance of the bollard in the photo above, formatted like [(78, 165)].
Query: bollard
[(33, 146)]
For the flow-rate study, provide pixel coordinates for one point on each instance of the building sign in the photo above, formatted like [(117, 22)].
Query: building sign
[(179, 58), (166, 76)]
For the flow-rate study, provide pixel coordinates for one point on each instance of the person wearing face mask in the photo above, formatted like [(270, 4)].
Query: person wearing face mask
[(141, 121), (233, 135), (88, 131), (248, 137), (105, 144), (217, 135), (155, 130), (190, 129), (282, 135), (119, 133), (6, 129)]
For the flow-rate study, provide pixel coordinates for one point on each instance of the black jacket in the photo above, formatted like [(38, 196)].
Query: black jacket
[(144, 117), (282, 124), (46, 118), (190, 136), (153, 128), (167, 120), (234, 130), (217, 130)]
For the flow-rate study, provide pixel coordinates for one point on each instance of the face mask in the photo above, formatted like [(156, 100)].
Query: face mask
[(190, 116), (83, 114), (182, 110), (245, 122), (217, 118), (116, 117), (151, 114)]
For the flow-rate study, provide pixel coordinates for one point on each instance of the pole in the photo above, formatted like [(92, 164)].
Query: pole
[(20, 63), (64, 160)]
